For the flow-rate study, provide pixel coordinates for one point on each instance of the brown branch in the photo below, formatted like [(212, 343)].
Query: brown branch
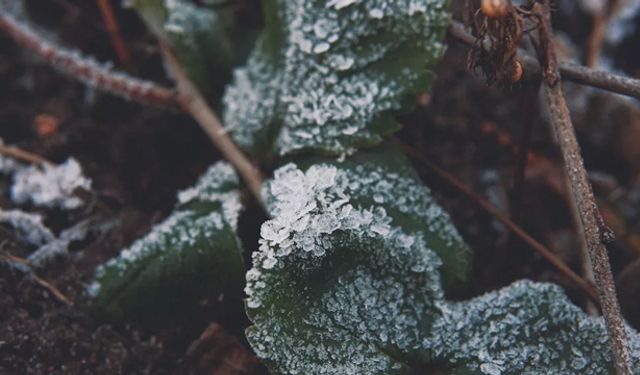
[(583, 285), (86, 70), (192, 102), (111, 24), (598, 78), (25, 266), (595, 232), (186, 96), (23, 155)]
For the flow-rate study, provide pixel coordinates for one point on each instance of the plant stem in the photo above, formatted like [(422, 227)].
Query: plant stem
[(595, 231), (598, 78), (192, 102)]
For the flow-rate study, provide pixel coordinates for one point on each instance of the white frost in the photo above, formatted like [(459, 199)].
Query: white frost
[(329, 82), (50, 186)]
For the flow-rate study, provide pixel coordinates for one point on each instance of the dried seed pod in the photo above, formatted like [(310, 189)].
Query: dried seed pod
[(517, 71), (495, 9)]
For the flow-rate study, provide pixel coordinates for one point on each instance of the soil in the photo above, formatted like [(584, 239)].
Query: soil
[(139, 157)]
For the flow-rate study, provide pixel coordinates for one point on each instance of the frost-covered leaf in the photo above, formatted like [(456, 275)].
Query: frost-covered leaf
[(331, 75), (346, 278), (192, 254), (526, 328), (207, 41), (383, 177), (346, 282)]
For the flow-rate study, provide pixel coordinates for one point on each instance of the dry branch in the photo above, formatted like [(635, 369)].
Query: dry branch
[(20, 154), (117, 41), (87, 70), (598, 78), (595, 231), (186, 96), (192, 102), (587, 288)]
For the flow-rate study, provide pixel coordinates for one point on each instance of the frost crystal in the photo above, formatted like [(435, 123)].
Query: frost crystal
[(217, 185), (29, 226), (50, 186), (325, 75), (361, 282), (344, 284)]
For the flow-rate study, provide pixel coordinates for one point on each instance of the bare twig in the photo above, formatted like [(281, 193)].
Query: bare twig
[(598, 78), (595, 232), (192, 102), (186, 97), (25, 266), (84, 69), (588, 289), (111, 24), (20, 154)]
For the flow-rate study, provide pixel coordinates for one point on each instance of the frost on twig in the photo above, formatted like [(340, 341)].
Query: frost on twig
[(28, 226), (74, 64), (59, 247), (50, 186)]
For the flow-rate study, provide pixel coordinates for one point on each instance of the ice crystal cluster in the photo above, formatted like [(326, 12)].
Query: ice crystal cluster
[(192, 254), (28, 226), (346, 283), (50, 186), (331, 75), (46, 185)]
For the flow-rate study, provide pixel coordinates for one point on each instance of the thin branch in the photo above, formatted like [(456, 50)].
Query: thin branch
[(598, 78), (595, 232), (87, 70), (186, 96), (192, 102), (111, 24), (25, 266), (588, 289), (20, 154)]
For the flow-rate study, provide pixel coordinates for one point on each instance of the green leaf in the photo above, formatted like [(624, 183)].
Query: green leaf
[(331, 76), (347, 280), (208, 42), (193, 254)]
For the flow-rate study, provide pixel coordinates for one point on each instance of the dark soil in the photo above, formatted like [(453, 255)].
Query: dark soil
[(139, 157)]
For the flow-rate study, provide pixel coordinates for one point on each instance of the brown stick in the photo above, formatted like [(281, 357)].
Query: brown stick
[(84, 69), (595, 232), (588, 289), (192, 102), (186, 97), (26, 267), (111, 24), (23, 155), (598, 78)]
